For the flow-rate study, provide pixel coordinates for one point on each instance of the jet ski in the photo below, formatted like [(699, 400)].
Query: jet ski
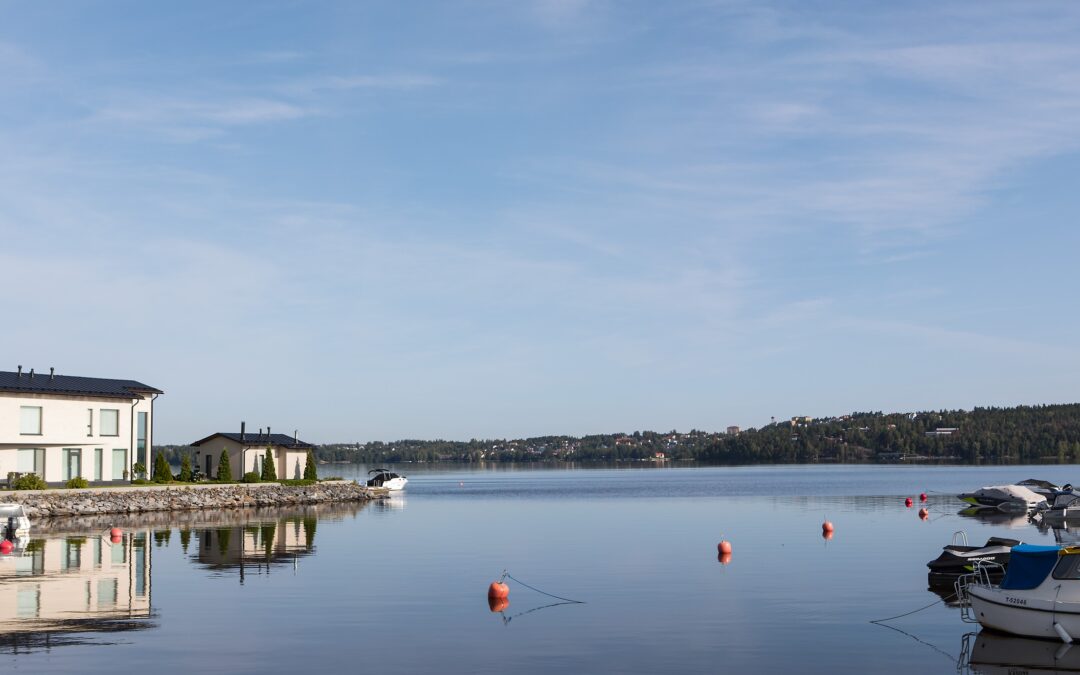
[(959, 558)]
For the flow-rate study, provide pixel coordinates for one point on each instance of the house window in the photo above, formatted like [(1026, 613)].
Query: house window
[(89, 421), (110, 422), (140, 440), (31, 460), (30, 420)]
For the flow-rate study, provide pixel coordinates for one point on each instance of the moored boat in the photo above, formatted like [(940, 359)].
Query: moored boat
[(13, 521), (386, 478), (1039, 595), (1005, 498)]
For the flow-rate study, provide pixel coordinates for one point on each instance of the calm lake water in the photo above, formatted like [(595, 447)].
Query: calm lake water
[(400, 586)]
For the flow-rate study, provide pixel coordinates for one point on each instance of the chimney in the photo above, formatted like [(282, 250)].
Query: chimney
[(31, 373), (295, 436), (260, 434), (243, 435), (20, 372), (268, 433), (52, 373)]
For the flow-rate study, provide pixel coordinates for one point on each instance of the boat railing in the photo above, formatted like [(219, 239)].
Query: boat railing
[(962, 536), (982, 575)]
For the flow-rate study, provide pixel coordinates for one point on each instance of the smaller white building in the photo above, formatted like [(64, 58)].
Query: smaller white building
[(246, 452)]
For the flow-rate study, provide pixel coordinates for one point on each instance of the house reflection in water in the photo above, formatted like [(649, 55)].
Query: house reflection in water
[(257, 546), (53, 587)]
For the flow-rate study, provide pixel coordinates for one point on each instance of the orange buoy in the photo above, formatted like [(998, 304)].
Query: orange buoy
[(908, 502), (827, 526), (923, 514), (115, 532), (724, 547), (498, 591), (723, 558), (6, 546), (116, 540), (498, 604), (922, 497), (826, 534)]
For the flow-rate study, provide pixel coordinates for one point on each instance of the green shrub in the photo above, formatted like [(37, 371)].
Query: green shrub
[(140, 481), (269, 471), (138, 472), (78, 482), (310, 471), (224, 471), (162, 472), (30, 481), (185, 469), (251, 477)]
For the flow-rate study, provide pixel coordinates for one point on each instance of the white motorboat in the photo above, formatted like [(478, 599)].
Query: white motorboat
[(1038, 597), (14, 521), (1005, 498), (387, 479)]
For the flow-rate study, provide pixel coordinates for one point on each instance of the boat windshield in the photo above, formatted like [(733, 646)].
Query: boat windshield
[(1028, 566)]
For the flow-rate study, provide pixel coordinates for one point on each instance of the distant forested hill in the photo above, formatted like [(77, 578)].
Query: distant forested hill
[(984, 435)]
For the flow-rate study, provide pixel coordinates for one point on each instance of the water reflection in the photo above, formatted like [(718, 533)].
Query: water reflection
[(990, 653), (991, 516), (63, 584)]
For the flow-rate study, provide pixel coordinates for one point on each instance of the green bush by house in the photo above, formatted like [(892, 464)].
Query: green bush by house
[(269, 472), (162, 472), (251, 477), (30, 481), (224, 472), (185, 469), (78, 482), (310, 472)]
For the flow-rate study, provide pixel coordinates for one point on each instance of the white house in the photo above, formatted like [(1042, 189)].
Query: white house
[(63, 426), (246, 452)]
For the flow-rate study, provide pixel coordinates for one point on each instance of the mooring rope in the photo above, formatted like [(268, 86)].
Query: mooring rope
[(507, 575), (915, 611)]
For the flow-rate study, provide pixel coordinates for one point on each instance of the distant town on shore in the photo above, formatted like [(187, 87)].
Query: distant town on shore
[(1022, 434)]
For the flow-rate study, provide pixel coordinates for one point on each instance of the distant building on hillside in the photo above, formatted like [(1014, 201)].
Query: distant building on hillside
[(943, 431), (733, 430)]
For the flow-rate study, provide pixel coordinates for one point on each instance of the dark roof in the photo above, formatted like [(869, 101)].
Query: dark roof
[(43, 383), (283, 440)]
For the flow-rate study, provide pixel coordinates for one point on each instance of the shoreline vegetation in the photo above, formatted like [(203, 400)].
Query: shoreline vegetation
[(1022, 434)]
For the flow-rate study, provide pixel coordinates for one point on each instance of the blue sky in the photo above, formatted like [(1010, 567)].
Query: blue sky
[(376, 220)]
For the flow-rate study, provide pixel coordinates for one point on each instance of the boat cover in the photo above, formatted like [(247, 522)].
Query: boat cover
[(1028, 566), (1009, 493)]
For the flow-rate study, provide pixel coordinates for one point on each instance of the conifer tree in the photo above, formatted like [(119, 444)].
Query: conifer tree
[(310, 470), (185, 468), (224, 472), (268, 470), (162, 472)]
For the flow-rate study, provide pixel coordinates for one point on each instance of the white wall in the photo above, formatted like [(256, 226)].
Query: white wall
[(64, 425)]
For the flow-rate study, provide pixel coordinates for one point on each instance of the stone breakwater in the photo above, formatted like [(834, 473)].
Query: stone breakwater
[(93, 501)]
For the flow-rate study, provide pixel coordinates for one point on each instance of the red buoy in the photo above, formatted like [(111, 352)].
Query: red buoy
[(498, 591), (498, 604), (922, 497), (115, 532), (826, 534), (116, 540), (6, 546), (826, 526), (723, 558), (908, 502), (724, 547)]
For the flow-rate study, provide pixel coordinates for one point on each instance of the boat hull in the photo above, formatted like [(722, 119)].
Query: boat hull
[(1019, 613)]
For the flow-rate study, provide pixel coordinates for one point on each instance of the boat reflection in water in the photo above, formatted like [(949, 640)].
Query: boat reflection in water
[(60, 584), (992, 516), (989, 652)]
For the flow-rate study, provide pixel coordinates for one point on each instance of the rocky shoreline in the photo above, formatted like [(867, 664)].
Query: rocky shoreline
[(132, 500)]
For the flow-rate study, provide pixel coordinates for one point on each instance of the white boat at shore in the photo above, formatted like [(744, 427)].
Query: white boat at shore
[(386, 478), (1039, 595), (13, 521)]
